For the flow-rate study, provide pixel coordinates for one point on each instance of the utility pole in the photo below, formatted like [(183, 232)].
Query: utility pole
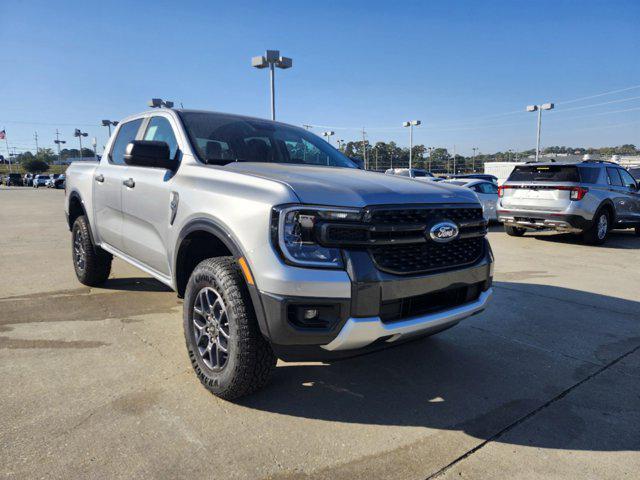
[(57, 141), (308, 127), (364, 148), (430, 150), (6, 142), (35, 135)]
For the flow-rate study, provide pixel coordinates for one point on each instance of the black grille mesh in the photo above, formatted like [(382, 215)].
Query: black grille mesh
[(423, 257), (423, 215)]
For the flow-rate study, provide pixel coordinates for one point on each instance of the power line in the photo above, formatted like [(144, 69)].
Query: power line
[(598, 95)]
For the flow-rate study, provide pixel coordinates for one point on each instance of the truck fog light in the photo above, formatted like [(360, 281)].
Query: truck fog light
[(310, 313)]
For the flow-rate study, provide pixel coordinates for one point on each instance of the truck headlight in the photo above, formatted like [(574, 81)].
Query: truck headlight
[(294, 233)]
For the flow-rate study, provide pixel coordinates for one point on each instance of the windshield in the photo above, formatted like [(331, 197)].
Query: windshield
[(544, 173), (221, 139)]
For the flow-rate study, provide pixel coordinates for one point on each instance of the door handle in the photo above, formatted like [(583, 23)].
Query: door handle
[(99, 178), (129, 183)]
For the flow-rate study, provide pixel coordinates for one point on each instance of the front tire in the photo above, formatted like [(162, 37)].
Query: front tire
[(514, 231), (227, 350), (91, 263), (597, 234)]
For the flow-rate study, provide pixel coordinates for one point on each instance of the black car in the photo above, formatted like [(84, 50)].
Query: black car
[(59, 181), (13, 179)]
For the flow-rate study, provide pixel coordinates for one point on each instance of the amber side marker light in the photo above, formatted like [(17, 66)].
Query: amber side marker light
[(245, 270)]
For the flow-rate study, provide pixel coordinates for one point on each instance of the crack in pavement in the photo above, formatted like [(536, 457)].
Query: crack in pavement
[(531, 414)]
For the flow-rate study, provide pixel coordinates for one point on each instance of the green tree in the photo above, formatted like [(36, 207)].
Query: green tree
[(35, 166)]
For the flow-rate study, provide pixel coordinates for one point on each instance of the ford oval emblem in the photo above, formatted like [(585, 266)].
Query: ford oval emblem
[(443, 232)]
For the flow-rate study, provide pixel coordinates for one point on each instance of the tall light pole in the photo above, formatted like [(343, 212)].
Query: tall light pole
[(539, 108), (430, 150), (272, 59), (473, 160), (78, 133), (59, 142), (411, 124), (108, 123), (328, 135)]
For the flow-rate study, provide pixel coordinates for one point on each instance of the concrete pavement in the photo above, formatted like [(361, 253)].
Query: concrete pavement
[(95, 383)]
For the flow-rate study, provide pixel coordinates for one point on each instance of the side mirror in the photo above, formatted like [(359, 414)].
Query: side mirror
[(149, 153)]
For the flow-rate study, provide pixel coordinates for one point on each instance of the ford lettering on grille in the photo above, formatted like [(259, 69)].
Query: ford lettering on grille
[(443, 232)]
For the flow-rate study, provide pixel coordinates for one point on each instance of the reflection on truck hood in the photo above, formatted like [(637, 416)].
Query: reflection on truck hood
[(352, 187)]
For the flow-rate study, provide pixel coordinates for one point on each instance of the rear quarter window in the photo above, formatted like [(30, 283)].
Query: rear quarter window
[(544, 173), (589, 174)]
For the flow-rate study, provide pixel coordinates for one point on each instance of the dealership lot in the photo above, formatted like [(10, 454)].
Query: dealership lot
[(97, 383)]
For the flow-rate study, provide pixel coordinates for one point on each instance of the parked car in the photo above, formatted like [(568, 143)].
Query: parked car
[(279, 245), (27, 179), (14, 179), (589, 198), (50, 183), (40, 181), (487, 193), (413, 173), (479, 176), (59, 182)]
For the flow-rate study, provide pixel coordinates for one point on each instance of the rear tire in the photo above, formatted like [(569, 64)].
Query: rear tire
[(227, 350), (598, 232), (514, 231), (91, 263)]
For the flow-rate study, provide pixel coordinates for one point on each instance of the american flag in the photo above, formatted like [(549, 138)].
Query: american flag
[(3, 135)]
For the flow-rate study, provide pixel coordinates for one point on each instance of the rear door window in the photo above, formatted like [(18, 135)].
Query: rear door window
[(614, 177), (627, 179), (545, 173), (126, 134)]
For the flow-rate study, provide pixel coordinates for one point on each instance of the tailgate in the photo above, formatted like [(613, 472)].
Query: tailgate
[(547, 197)]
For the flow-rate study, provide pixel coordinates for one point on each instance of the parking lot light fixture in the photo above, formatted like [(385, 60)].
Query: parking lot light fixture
[(79, 133), (328, 135), (539, 108), (411, 124), (109, 123), (272, 59), (160, 103)]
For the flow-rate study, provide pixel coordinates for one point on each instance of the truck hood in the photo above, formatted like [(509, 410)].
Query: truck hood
[(350, 187)]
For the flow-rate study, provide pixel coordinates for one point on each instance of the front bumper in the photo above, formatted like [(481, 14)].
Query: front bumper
[(544, 220), (363, 319), (360, 332)]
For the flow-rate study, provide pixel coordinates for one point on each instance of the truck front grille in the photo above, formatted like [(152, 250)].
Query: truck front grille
[(424, 257), (397, 238)]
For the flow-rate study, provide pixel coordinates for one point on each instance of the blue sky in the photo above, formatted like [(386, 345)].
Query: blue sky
[(370, 63)]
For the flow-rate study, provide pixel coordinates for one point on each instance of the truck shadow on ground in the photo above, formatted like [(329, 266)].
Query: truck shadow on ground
[(489, 374)]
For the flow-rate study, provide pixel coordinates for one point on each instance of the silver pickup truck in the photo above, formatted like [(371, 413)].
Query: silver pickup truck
[(279, 245)]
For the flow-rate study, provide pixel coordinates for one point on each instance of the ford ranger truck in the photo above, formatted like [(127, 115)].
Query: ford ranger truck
[(280, 246)]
